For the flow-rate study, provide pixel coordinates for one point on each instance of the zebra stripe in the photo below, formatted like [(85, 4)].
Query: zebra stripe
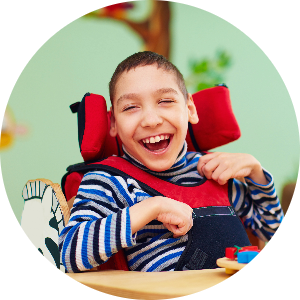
[(42, 219)]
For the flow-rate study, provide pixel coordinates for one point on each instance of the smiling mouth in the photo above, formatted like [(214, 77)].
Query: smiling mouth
[(157, 143)]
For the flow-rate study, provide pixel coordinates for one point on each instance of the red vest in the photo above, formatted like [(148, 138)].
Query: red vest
[(215, 223)]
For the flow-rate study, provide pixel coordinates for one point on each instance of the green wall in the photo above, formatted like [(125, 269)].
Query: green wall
[(81, 58)]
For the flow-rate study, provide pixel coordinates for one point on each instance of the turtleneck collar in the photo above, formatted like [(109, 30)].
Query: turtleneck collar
[(180, 162)]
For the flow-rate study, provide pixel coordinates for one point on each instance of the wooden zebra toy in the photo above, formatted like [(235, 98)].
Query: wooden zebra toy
[(44, 216)]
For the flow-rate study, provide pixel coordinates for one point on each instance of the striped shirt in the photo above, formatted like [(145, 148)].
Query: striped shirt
[(99, 224)]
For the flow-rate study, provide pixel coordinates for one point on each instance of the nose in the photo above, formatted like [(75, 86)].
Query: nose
[(151, 118)]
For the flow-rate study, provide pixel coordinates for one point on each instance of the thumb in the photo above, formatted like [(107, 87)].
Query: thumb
[(175, 229), (171, 227)]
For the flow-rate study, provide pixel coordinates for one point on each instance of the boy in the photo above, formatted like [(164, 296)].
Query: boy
[(150, 112)]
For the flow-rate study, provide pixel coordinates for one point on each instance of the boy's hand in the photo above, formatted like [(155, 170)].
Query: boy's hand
[(176, 216), (221, 166)]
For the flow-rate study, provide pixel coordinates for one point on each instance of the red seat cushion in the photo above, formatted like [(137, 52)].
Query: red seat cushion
[(217, 124)]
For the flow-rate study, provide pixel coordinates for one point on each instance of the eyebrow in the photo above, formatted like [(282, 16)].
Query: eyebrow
[(156, 93)]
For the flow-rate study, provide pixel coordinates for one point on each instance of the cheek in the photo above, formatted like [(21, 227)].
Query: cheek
[(126, 128), (179, 119)]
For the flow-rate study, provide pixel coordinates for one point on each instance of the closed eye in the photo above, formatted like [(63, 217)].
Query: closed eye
[(166, 101), (128, 108)]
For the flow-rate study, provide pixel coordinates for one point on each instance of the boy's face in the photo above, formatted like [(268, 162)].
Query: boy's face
[(151, 116)]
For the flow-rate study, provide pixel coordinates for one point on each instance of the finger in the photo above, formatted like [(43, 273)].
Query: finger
[(210, 167), (218, 171), (190, 225), (203, 160), (173, 228), (167, 225), (207, 157), (180, 231), (231, 172), (186, 231), (225, 176)]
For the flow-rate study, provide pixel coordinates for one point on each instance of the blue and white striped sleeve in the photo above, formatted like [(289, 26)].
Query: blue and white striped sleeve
[(258, 206), (99, 224)]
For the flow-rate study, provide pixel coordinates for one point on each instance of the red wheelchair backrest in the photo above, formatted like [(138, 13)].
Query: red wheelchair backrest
[(217, 124)]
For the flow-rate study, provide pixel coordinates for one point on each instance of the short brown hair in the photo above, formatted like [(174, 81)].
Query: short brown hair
[(146, 58)]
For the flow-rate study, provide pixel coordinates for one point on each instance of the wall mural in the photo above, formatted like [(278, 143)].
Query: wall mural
[(154, 30), (10, 130)]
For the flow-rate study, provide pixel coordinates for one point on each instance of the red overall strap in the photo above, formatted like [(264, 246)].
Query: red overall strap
[(209, 193)]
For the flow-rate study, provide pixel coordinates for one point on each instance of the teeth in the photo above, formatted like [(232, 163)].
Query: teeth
[(156, 139)]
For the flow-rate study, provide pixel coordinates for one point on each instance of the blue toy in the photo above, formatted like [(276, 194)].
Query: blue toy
[(246, 256)]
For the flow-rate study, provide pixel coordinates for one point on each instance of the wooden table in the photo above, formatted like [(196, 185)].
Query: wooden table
[(156, 285)]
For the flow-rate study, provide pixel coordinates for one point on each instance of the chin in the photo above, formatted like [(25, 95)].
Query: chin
[(158, 167)]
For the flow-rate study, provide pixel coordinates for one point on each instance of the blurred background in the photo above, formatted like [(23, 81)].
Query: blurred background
[(39, 132)]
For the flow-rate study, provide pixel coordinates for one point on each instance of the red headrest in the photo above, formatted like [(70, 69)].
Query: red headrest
[(217, 124)]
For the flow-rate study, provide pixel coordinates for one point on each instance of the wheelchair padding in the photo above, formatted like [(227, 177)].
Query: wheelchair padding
[(217, 124)]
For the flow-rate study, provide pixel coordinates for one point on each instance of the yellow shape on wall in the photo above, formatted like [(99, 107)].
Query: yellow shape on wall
[(10, 129)]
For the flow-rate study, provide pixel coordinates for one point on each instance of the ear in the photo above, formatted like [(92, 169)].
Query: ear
[(113, 128), (192, 111)]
